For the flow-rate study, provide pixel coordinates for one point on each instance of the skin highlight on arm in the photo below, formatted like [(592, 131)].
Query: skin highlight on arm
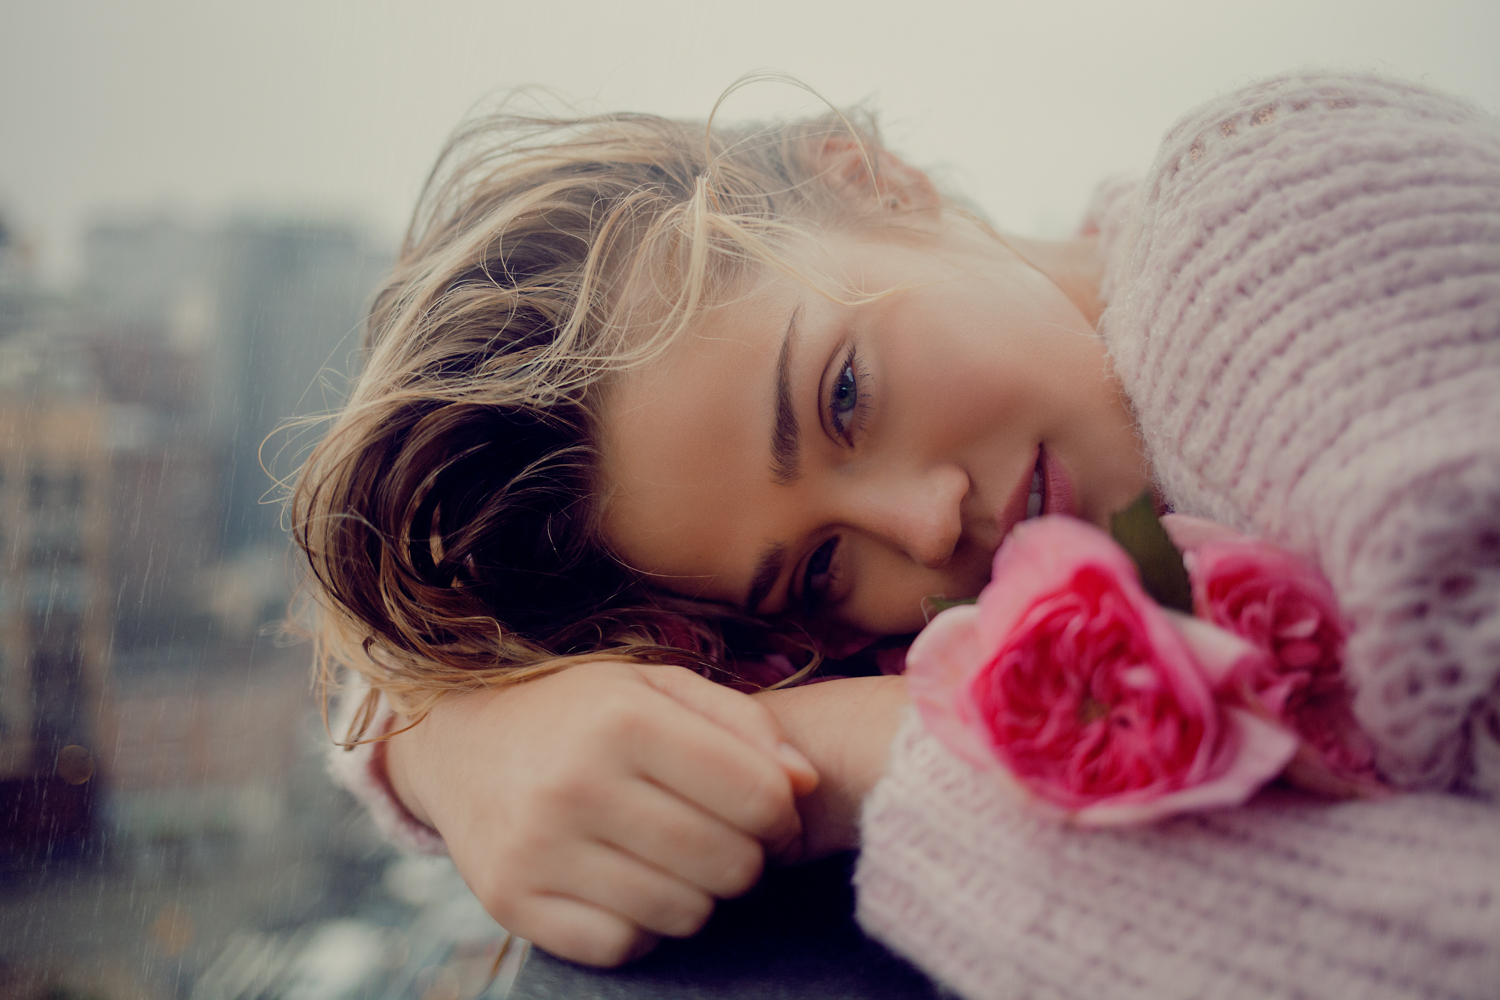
[(845, 727)]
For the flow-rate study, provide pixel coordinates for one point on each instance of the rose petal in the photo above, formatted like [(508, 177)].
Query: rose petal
[(1041, 556), (1079, 693), (940, 662), (1283, 604), (1221, 653), (1255, 751), (1188, 532), (1037, 574)]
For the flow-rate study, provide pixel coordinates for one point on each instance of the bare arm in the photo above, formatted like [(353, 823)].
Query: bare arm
[(845, 728)]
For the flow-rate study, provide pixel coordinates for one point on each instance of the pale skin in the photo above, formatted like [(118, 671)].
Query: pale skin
[(595, 810), (594, 833)]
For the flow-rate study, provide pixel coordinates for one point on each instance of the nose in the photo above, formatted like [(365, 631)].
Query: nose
[(918, 513)]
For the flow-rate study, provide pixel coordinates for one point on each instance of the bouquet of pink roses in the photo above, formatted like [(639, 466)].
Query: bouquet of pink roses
[(1102, 706)]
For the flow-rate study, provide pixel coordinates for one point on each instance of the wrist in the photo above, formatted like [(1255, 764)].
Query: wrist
[(392, 761), (363, 768), (845, 727)]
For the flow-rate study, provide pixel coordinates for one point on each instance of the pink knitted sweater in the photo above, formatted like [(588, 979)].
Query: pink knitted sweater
[(1304, 307)]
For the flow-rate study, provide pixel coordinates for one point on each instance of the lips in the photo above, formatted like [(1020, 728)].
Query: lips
[(1024, 501), (1045, 489), (1059, 495), (1038, 493)]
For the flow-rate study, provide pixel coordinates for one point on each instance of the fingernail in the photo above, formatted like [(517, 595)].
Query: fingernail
[(794, 758)]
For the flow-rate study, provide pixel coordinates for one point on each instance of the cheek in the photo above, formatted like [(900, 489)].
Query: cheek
[(890, 597)]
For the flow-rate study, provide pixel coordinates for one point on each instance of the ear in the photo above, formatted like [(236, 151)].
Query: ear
[(879, 175)]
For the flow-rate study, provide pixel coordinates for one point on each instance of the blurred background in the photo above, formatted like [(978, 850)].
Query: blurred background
[(196, 201)]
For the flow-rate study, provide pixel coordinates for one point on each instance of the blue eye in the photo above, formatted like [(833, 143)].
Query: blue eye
[(818, 574), (845, 395), (844, 399)]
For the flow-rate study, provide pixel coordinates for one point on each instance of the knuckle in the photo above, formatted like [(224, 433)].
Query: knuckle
[(683, 836), (504, 903), (767, 801), (612, 947), (616, 718), (559, 794), (563, 789), (687, 916), (761, 717), (536, 835), (590, 937), (741, 869), (529, 846)]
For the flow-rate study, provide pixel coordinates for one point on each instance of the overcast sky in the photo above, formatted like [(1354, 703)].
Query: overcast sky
[(336, 108)]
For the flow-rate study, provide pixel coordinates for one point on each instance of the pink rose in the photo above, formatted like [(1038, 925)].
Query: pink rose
[(1283, 605), (1092, 699)]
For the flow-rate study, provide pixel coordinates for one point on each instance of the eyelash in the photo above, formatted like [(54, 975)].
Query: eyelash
[(845, 416), (812, 595), (859, 406)]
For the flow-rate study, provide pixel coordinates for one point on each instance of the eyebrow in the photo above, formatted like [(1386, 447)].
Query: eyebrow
[(785, 447), (785, 459), (767, 571)]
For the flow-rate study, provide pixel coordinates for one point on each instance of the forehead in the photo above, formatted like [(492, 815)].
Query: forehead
[(686, 447)]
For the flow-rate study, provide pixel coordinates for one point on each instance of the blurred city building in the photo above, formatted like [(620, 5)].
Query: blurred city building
[(55, 558), (271, 312), (131, 491), (154, 727), (54, 615)]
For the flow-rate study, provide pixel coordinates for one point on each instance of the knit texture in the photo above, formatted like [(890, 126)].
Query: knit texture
[(1288, 897), (1304, 308)]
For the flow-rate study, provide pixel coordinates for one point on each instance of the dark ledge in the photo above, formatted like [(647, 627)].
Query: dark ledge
[(793, 937)]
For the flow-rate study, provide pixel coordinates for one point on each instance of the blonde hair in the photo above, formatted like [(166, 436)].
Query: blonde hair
[(450, 515)]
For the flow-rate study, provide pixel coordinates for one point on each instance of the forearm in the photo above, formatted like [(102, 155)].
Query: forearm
[(844, 727)]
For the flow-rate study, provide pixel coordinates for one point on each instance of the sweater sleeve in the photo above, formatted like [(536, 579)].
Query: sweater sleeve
[(1304, 308), (361, 771), (1287, 897)]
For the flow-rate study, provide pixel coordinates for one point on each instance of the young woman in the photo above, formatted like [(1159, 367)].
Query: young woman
[(648, 403)]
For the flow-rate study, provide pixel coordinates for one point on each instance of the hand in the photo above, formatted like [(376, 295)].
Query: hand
[(845, 727), (600, 807)]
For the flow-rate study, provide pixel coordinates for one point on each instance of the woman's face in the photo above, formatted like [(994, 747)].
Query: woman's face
[(837, 464)]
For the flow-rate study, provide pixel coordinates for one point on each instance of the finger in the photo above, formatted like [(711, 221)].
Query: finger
[(717, 771), (664, 831), (605, 876), (581, 932), (737, 712)]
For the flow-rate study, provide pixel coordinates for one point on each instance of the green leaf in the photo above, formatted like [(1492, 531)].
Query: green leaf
[(1159, 562), (934, 604)]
